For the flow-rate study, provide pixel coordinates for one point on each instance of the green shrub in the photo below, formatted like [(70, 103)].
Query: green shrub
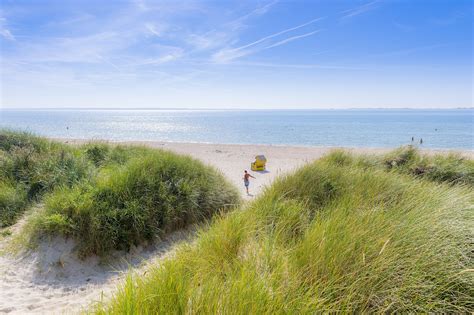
[(329, 238)]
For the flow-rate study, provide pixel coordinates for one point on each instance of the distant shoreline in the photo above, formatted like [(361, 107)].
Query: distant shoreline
[(155, 143), (234, 109)]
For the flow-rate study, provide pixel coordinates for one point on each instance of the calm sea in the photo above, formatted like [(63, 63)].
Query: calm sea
[(351, 128)]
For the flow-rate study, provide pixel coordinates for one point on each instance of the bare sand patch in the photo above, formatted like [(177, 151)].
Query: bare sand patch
[(52, 280)]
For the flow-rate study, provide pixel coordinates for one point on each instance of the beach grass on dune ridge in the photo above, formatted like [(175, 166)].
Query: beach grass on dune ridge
[(32, 166), (105, 196), (124, 205), (338, 235), (447, 168)]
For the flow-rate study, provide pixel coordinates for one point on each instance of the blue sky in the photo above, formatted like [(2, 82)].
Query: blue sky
[(236, 54)]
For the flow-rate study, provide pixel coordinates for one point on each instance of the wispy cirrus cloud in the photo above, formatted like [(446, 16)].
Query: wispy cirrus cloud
[(156, 29), (4, 31), (229, 54), (78, 49), (160, 54), (228, 33), (259, 11), (290, 39), (298, 66), (350, 13), (76, 19)]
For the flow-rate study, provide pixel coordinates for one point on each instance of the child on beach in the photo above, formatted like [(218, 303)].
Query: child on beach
[(247, 180)]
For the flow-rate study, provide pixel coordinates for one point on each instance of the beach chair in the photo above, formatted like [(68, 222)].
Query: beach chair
[(259, 164)]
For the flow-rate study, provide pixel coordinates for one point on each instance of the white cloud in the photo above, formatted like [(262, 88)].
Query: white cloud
[(290, 39), (84, 49), (239, 22), (229, 54), (157, 55), (209, 40), (156, 29), (359, 10), (228, 33), (4, 32)]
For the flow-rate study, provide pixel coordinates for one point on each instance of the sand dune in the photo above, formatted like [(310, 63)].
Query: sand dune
[(52, 280)]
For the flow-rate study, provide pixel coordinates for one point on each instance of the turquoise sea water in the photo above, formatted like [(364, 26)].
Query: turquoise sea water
[(351, 128)]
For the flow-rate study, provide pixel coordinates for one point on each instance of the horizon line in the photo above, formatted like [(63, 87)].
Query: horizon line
[(231, 109)]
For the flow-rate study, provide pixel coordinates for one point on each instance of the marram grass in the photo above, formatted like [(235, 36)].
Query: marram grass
[(150, 195), (333, 237), (104, 196)]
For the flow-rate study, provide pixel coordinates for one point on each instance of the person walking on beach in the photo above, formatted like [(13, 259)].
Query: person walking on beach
[(247, 180)]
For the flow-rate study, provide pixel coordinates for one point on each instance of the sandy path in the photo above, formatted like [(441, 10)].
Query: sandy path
[(232, 160), (52, 281)]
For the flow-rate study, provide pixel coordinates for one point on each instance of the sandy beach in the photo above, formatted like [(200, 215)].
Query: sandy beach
[(233, 159), (51, 280)]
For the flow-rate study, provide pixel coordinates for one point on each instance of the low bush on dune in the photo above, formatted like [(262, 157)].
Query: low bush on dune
[(336, 236)]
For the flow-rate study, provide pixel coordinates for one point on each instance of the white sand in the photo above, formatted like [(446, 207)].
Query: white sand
[(51, 280), (233, 159)]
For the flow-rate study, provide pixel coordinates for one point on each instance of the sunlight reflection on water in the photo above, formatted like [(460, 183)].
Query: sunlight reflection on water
[(353, 128)]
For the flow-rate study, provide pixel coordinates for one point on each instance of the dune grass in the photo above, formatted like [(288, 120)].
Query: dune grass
[(450, 168), (31, 166), (13, 201), (105, 196), (339, 235), (124, 205)]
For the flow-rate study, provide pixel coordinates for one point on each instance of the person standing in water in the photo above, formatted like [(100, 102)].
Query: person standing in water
[(247, 180)]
